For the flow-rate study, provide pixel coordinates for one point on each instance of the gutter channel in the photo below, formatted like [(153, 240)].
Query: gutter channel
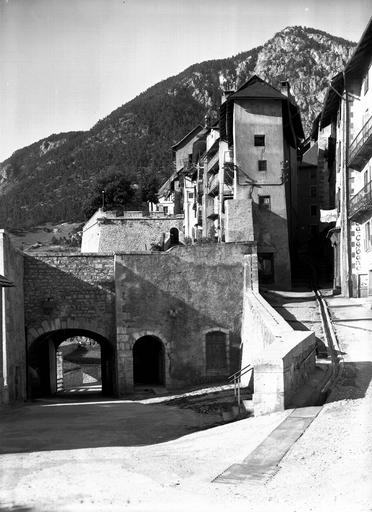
[(337, 360)]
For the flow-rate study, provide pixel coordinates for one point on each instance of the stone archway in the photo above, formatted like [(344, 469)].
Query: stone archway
[(125, 359), (42, 364)]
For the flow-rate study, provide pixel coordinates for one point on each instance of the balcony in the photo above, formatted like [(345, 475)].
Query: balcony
[(361, 204), (213, 185), (360, 150)]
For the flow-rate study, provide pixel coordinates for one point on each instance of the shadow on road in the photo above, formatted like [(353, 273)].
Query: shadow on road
[(65, 425), (17, 508), (353, 382)]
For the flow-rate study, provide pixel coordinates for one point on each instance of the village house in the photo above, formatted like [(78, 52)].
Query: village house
[(249, 176), (347, 112)]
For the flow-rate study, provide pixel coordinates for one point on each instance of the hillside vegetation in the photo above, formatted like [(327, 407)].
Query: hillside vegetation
[(46, 181)]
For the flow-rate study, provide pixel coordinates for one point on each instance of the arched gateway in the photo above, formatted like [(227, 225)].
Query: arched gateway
[(43, 361)]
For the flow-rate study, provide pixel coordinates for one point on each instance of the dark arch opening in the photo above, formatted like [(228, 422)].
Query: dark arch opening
[(44, 362), (174, 236), (148, 361)]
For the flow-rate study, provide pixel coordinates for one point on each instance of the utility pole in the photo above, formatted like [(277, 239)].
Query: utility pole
[(103, 200)]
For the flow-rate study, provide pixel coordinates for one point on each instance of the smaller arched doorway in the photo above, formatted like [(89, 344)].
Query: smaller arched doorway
[(174, 236), (148, 361)]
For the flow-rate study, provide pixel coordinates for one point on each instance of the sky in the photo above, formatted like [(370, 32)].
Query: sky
[(65, 64)]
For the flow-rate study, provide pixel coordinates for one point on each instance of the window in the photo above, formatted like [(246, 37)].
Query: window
[(313, 174), (264, 202), (191, 195), (366, 83), (313, 192), (262, 165), (266, 267), (165, 210), (313, 210), (259, 140), (215, 351), (367, 174)]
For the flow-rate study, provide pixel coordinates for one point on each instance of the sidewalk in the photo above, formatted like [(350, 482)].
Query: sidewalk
[(332, 461)]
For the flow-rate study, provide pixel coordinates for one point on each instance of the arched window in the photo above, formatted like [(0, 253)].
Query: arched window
[(216, 352)]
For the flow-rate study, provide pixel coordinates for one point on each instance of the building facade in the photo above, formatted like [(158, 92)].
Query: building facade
[(348, 110), (243, 187)]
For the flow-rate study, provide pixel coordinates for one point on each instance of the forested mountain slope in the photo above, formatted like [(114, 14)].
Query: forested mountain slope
[(46, 181)]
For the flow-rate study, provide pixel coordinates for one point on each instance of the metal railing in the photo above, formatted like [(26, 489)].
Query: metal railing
[(213, 184), (360, 139), (236, 379), (362, 201)]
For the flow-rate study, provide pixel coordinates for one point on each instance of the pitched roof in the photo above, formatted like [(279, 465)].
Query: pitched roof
[(4, 282), (332, 100), (198, 128), (356, 67), (360, 60), (257, 88)]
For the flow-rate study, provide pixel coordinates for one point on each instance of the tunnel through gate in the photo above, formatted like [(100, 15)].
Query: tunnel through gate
[(148, 361), (71, 361)]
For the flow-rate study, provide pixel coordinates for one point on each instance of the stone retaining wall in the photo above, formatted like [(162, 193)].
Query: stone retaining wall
[(282, 358)]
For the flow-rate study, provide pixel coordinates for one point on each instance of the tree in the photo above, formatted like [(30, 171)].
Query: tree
[(119, 193), (149, 184)]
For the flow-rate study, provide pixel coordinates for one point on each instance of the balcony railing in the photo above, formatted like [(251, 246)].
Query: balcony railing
[(361, 204), (213, 185), (360, 150)]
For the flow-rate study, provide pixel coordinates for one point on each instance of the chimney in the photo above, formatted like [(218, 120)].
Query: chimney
[(285, 88)]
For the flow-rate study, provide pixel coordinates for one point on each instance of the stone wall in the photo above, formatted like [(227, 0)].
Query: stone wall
[(282, 358), (13, 352), (69, 291), (179, 297), (107, 233), (239, 220)]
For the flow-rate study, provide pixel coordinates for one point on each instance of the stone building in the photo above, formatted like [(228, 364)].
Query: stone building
[(13, 368), (347, 112), (133, 231), (243, 187), (186, 317)]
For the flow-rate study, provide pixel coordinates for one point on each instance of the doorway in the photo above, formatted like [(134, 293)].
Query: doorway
[(148, 361)]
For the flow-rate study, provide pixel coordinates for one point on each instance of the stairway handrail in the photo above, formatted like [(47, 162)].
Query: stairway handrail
[(241, 372)]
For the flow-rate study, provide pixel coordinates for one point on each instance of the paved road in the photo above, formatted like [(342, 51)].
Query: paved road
[(122, 456), (66, 425)]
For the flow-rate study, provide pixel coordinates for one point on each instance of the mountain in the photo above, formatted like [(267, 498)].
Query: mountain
[(47, 180)]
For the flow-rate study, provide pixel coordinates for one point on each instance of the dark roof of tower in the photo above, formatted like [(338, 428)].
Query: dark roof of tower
[(255, 87)]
